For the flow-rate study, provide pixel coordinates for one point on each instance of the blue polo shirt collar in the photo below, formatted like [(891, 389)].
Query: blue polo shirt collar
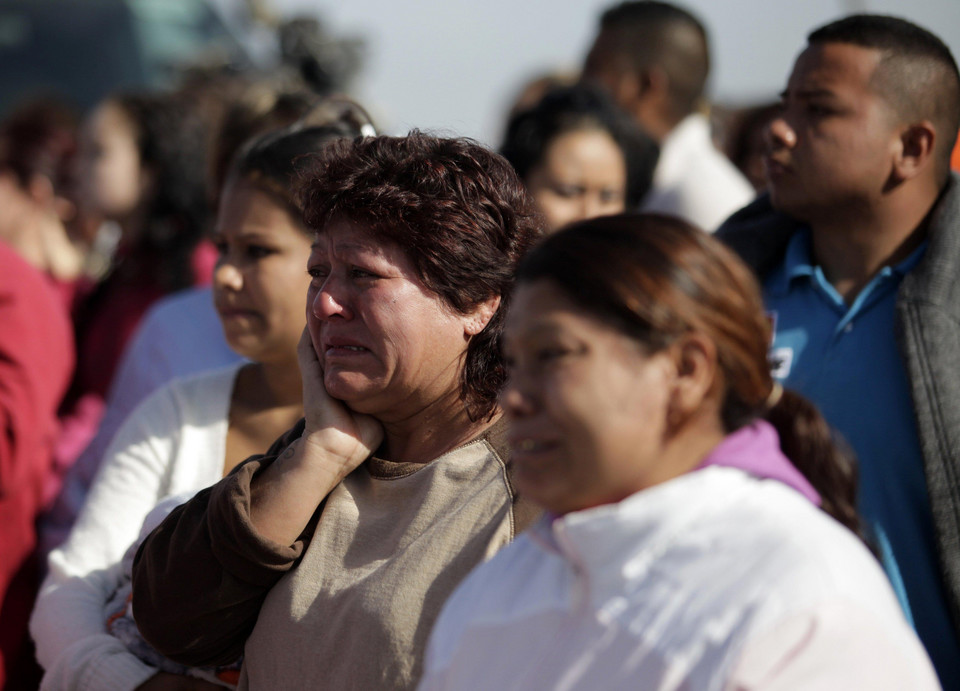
[(798, 265)]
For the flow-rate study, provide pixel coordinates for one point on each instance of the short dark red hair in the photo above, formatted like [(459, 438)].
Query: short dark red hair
[(457, 209)]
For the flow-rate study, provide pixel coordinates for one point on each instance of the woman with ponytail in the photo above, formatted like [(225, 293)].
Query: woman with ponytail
[(699, 528)]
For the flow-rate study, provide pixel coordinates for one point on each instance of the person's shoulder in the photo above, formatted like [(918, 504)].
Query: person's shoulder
[(932, 282), (763, 537), (181, 334), (759, 234), (217, 378), (172, 311), (28, 285), (945, 226), (947, 207), (709, 167), (778, 538), (187, 400), (16, 269), (694, 177), (755, 217), (36, 331), (205, 394), (498, 590), (835, 644)]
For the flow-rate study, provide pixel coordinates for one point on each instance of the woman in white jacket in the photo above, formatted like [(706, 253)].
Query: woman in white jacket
[(681, 549), (223, 416)]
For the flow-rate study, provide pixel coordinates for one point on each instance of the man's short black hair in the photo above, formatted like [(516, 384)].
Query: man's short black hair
[(917, 73), (650, 32)]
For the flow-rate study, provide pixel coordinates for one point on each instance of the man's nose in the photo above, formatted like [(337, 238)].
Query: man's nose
[(780, 134)]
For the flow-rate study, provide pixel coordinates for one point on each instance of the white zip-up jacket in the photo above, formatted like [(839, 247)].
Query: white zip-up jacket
[(713, 580)]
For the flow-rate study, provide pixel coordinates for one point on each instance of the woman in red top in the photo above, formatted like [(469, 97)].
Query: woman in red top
[(36, 359)]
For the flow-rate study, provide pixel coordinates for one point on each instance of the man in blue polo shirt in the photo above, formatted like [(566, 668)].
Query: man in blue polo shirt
[(858, 250)]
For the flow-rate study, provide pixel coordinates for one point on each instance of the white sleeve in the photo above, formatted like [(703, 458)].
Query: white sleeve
[(834, 647), (159, 351), (68, 621), (93, 660)]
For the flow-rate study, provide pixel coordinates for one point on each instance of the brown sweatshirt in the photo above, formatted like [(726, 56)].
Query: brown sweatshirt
[(350, 605)]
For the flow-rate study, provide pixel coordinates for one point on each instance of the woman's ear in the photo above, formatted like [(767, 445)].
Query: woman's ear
[(477, 320), (695, 357)]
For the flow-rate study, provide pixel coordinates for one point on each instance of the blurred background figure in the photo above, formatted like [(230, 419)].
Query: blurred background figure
[(955, 157), (654, 59), (38, 143), (579, 155), (141, 167), (85, 51), (36, 361), (533, 90), (181, 334), (742, 140), (402, 80)]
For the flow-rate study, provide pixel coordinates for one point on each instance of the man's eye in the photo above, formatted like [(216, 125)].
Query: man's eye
[(317, 272)]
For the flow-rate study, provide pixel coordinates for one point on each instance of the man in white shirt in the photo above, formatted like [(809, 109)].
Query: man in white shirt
[(654, 58)]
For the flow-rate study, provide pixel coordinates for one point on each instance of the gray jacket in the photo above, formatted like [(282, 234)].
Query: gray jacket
[(928, 337)]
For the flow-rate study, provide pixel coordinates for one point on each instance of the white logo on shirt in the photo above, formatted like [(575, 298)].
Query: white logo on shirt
[(781, 360)]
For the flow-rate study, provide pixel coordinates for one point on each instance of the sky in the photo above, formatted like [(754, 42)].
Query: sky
[(454, 66)]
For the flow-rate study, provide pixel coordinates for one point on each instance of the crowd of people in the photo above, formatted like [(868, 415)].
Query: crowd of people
[(288, 403)]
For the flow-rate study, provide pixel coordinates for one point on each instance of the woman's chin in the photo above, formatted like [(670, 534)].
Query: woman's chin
[(241, 341), (351, 389)]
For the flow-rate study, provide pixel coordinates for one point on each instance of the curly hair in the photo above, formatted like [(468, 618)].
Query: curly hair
[(171, 139), (458, 211)]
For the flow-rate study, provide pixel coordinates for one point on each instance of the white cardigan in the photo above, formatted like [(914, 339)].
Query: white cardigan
[(714, 580), (174, 442)]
